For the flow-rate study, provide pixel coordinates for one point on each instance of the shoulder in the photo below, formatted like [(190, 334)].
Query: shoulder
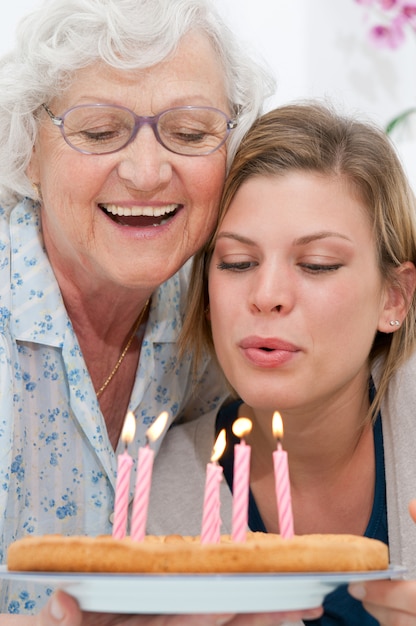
[(4, 234), (178, 478), (194, 439), (169, 299), (401, 393), (5, 268)]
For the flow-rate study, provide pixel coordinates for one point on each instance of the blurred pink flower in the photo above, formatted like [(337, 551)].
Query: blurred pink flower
[(394, 18)]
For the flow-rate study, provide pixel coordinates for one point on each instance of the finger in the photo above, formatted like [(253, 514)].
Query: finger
[(389, 617), (61, 610), (396, 595), (412, 509)]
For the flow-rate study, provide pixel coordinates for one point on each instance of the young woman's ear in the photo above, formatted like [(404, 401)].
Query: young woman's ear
[(399, 296)]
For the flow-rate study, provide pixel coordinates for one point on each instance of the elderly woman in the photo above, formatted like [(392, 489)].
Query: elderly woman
[(116, 121)]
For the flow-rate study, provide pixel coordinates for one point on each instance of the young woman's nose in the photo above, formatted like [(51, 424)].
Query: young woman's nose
[(145, 163), (272, 291)]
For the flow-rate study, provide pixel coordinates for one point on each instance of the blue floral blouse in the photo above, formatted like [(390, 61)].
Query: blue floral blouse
[(57, 466)]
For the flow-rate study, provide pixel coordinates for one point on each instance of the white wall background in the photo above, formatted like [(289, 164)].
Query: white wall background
[(315, 48), (320, 48)]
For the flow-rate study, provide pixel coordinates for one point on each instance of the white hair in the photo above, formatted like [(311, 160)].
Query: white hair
[(58, 38)]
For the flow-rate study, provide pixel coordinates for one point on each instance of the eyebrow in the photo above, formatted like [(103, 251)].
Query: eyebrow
[(236, 237), (301, 241), (323, 234)]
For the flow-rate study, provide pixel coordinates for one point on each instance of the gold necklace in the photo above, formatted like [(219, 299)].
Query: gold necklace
[(123, 354)]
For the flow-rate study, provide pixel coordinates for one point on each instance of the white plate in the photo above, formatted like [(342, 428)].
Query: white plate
[(201, 593)]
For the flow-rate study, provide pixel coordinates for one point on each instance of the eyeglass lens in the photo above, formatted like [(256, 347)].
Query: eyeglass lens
[(104, 129)]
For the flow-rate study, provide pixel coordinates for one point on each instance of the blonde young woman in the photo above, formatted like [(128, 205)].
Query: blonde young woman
[(306, 291)]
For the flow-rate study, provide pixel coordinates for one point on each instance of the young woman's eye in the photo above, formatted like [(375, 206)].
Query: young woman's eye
[(237, 266), (319, 268)]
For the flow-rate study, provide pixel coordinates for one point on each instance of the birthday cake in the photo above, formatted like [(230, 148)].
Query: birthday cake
[(261, 552)]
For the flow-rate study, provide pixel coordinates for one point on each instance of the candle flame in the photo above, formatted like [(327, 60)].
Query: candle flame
[(156, 429), (242, 427), (219, 446), (277, 425), (129, 428)]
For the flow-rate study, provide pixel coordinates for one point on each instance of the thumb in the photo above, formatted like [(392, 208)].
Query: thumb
[(412, 509), (61, 610)]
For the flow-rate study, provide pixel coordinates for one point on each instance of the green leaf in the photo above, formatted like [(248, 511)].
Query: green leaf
[(399, 119)]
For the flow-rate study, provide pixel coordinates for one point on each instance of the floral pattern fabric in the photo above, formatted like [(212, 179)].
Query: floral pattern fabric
[(57, 466)]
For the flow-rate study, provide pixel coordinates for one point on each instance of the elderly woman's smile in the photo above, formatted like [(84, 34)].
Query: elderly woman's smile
[(140, 217)]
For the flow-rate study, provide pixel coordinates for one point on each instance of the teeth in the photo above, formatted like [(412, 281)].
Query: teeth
[(138, 211)]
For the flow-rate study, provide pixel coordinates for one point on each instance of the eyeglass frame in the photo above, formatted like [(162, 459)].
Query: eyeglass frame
[(139, 121)]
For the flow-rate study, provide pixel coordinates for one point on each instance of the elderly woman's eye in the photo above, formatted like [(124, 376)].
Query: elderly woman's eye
[(189, 136), (101, 135)]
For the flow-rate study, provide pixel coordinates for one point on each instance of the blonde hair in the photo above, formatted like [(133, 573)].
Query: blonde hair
[(312, 137)]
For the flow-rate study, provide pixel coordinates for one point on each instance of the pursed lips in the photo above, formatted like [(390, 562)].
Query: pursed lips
[(267, 351)]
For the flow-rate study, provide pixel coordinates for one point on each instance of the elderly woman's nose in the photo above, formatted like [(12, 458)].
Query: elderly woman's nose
[(144, 162)]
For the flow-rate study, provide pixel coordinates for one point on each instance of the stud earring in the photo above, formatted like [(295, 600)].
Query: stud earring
[(394, 323)]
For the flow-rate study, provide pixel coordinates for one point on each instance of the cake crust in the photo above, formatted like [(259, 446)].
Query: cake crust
[(262, 552)]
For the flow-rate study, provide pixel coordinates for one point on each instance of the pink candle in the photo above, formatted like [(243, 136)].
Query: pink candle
[(142, 493), (282, 482), (211, 519), (241, 480), (144, 479), (124, 465)]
